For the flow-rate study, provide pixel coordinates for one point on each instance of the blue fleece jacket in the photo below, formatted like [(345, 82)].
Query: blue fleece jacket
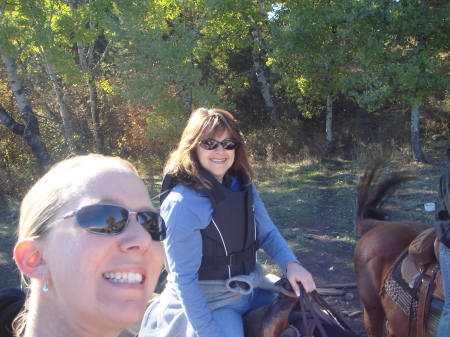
[(186, 212)]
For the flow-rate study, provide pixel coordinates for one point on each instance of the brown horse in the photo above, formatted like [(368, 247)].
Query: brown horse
[(379, 247)]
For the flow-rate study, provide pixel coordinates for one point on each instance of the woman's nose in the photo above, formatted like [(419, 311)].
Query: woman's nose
[(219, 149), (136, 237)]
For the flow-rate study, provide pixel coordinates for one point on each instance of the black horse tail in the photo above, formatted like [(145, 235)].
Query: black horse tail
[(12, 301), (371, 197)]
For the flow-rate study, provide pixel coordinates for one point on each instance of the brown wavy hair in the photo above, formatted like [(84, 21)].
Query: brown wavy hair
[(184, 162)]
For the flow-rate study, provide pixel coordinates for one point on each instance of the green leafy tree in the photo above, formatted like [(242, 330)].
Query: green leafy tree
[(311, 53), (30, 129), (178, 56), (158, 56), (63, 48), (235, 30), (402, 51)]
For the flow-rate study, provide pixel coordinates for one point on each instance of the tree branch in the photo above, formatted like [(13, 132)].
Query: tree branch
[(102, 57), (10, 123)]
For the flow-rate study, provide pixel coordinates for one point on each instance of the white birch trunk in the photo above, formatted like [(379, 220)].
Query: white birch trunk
[(31, 132), (259, 66), (85, 60), (59, 94)]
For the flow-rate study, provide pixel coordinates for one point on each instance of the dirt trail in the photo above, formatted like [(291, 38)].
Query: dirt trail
[(332, 263)]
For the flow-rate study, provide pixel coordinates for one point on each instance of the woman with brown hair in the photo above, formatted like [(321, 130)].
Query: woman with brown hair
[(216, 223)]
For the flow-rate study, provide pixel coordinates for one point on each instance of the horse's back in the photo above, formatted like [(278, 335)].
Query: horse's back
[(387, 239), (380, 247)]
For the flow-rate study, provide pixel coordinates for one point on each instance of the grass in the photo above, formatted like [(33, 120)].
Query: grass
[(297, 195), (312, 204)]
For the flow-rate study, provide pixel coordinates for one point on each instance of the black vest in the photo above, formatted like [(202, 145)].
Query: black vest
[(229, 241)]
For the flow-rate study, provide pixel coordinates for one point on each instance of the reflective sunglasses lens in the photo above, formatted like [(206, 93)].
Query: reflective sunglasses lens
[(230, 144), (154, 224), (209, 144), (103, 219)]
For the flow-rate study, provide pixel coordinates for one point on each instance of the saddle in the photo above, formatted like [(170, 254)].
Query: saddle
[(420, 270)]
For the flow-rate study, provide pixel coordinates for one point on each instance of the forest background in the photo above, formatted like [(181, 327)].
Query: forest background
[(318, 87), (307, 80)]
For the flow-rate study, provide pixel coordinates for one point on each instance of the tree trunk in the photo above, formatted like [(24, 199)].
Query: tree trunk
[(95, 115), (31, 132), (85, 62), (259, 66), (10, 123), (63, 109), (186, 95), (329, 120), (415, 110), (415, 135)]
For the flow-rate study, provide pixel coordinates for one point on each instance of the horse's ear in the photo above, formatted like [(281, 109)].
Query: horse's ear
[(29, 258)]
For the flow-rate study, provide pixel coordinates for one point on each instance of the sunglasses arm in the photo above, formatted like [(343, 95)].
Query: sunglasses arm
[(50, 225)]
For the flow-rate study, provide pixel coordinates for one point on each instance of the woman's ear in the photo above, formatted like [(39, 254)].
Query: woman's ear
[(29, 258)]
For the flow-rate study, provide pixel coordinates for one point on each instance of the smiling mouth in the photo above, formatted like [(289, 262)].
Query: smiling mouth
[(124, 277), (218, 160)]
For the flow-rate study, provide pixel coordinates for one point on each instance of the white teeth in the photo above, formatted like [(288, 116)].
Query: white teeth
[(218, 160), (124, 277)]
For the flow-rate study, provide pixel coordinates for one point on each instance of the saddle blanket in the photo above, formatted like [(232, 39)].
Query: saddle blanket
[(399, 286)]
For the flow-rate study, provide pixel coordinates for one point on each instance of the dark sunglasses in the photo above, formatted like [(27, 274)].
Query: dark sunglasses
[(108, 219), (211, 144)]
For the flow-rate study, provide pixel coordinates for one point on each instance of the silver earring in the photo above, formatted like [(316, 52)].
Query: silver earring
[(45, 287)]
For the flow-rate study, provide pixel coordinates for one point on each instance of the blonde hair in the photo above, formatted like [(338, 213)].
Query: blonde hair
[(46, 196), (54, 189), (184, 162)]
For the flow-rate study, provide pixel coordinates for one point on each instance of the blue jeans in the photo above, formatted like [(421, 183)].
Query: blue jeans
[(229, 318), (444, 323)]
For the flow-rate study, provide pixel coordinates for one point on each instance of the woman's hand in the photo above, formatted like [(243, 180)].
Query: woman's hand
[(296, 273)]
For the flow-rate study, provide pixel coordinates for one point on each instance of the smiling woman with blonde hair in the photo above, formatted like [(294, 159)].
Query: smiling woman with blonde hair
[(89, 247)]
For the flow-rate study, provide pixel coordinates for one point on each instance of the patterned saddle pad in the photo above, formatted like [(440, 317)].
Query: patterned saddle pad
[(399, 286)]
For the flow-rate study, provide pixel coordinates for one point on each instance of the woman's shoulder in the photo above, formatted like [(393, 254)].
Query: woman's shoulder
[(181, 191), (184, 196), (187, 205)]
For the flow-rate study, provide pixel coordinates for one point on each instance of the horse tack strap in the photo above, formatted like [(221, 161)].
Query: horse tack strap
[(306, 305), (421, 309), (322, 314), (426, 295), (429, 295), (415, 291), (329, 310), (305, 301), (305, 322)]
